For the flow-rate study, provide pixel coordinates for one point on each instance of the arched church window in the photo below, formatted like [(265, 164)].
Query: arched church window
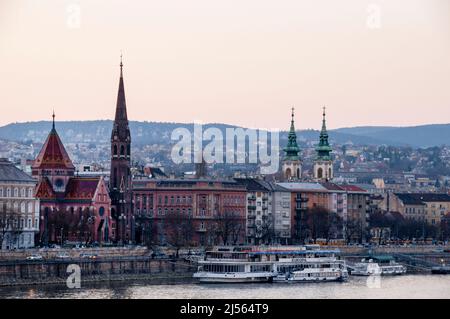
[(122, 150), (115, 150), (288, 173), (128, 149), (320, 172)]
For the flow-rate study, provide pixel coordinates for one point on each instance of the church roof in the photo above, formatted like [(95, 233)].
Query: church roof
[(53, 155), (81, 188), (78, 188), (45, 190)]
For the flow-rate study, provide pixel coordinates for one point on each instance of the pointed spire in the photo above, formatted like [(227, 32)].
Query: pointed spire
[(292, 148), (53, 124), (324, 126), (121, 65), (121, 107), (323, 148)]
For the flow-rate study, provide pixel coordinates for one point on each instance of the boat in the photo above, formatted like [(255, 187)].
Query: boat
[(366, 268), (304, 264), (230, 266), (389, 266)]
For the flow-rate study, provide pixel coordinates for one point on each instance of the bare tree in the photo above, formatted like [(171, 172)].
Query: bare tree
[(9, 225), (180, 230), (229, 227)]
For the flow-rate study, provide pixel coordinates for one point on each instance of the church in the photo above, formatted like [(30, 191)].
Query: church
[(81, 209)]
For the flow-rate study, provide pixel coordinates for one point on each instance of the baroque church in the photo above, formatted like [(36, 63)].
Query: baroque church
[(292, 163)]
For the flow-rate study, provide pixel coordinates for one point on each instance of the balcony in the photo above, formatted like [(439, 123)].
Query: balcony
[(252, 207), (301, 199)]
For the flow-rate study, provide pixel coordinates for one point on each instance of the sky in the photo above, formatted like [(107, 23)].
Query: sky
[(243, 62)]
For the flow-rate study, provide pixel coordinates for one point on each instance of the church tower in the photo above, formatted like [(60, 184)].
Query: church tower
[(120, 176), (323, 165), (291, 164)]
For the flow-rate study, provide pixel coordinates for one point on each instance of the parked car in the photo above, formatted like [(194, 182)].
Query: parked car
[(88, 256), (62, 256), (35, 257), (158, 255)]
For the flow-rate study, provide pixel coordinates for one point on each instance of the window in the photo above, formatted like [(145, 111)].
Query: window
[(1, 192), (115, 150), (30, 192), (22, 192), (16, 192), (122, 150), (8, 192)]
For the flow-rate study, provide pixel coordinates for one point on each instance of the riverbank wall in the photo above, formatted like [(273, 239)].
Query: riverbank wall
[(29, 272)]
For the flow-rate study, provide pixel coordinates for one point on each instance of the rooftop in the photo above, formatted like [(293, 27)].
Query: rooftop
[(10, 173)]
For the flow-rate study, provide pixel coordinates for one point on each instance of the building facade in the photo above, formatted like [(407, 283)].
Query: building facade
[(19, 209), (428, 207), (183, 212)]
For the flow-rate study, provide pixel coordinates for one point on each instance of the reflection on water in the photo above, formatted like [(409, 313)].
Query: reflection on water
[(408, 286)]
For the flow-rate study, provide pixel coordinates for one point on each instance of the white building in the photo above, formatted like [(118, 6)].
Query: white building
[(19, 209)]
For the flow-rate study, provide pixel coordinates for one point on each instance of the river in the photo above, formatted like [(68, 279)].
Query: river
[(406, 286)]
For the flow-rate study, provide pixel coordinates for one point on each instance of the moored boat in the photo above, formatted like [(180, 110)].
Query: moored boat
[(266, 265), (366, 268)]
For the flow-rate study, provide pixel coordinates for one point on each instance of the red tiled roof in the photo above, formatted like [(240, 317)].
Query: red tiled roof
[(332, 186), (81, 187), (53, 154), (353, 188), (45, 189)]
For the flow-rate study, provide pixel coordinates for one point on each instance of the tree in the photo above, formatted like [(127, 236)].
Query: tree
[(265, 231), (319, 222), (228, 227), (9, 225), (180, 230)]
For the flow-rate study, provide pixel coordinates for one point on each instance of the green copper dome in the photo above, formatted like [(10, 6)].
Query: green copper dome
[(292, 148), (323, 148)]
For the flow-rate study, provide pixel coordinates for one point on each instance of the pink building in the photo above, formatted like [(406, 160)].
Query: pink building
[(189, 211)]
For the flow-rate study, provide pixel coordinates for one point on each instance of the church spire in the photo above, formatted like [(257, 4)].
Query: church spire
[(53, 122), (292, 148), (121, 106), (323, 149)]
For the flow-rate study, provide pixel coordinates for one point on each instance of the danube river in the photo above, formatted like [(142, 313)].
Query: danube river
[(407, 286)]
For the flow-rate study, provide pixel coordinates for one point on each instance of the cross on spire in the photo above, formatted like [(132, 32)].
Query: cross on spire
[(53, 116), (121, 64)]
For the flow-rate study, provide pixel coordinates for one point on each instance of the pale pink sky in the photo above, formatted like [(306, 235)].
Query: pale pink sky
[(242, 62)]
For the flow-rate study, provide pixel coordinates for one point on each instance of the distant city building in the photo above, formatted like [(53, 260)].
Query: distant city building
[(428, 207), (19, 209), (291, 163), (323, 164)]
